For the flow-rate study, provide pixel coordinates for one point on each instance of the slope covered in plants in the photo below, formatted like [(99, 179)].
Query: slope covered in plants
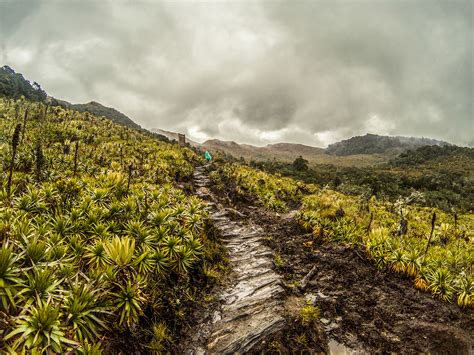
[(271, 191), (99, 249), (98, 109), (432, 247)]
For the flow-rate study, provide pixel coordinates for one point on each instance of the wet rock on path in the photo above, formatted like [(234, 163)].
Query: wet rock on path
[(251, 305)]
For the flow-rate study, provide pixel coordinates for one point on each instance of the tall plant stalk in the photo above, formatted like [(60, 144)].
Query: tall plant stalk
[(15, 141), (76, 151), (433, 221)]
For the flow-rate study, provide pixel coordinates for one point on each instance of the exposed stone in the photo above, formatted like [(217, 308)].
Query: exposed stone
[(252, 303)]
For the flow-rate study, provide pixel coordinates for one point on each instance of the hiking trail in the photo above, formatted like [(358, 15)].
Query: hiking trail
[(252, 302)]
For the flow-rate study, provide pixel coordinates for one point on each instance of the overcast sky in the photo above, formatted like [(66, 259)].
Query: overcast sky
[(257, 72)]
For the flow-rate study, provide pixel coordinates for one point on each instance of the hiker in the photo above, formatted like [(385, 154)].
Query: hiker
[(208, 156)]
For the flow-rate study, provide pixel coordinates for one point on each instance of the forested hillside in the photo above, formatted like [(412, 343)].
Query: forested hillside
[(375, 144), (15, 85)]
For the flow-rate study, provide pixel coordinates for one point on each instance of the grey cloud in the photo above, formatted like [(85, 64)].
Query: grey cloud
[(14, 13), (257, 72)]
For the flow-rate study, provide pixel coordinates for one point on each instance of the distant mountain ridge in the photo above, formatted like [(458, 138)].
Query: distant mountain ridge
[(375, 144), (279, 151), (356, 151)]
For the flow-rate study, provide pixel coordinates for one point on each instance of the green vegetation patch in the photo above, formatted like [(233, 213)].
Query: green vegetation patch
[(430, 246), (274, 192), (96, 241)]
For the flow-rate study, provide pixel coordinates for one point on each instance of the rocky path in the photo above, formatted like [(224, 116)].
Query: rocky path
[(251, 306)]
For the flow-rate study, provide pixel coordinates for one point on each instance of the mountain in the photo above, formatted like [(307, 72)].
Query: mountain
[(173, 136), (294, 149), (358, 151), (14, 85), (98, 109), (287, 152), (375, 144)]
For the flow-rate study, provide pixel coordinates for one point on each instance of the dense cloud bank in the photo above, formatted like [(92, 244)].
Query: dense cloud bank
[(256, 72)]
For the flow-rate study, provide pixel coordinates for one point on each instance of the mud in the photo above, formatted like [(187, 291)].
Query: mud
[(367, 310)]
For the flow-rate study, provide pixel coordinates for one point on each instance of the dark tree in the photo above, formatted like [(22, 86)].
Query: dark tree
[(300, 164), (337, 181)]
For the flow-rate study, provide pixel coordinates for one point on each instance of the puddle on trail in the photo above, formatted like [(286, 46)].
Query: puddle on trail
[(336, 348)]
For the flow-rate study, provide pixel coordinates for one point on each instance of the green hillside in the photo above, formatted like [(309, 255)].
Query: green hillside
[(99, 110), (99, 247), (114, 240), (14, 85)]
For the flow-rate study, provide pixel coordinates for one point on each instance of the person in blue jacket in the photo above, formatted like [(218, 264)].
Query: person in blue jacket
[(208, 156)]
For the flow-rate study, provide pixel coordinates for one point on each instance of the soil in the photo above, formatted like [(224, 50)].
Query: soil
[(366, 310), (362, 307)]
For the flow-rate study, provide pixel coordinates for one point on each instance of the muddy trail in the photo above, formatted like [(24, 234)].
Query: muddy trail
[(250, 306), (363, 310)]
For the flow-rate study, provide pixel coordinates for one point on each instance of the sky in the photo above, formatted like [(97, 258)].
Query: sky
[(256, 72)]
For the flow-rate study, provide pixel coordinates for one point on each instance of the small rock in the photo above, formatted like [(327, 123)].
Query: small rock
[(331, 327), (216, 316), (310, 298), (322, 295), (390, 337), (325, 321), (203, 190)]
